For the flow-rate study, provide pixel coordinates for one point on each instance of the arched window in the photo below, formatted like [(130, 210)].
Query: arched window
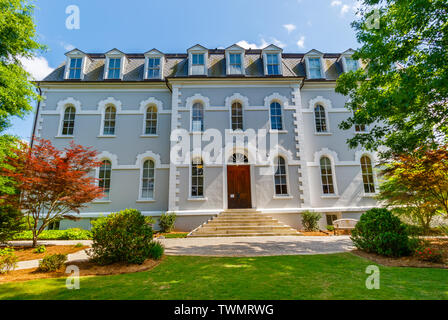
[(197, 178), (148, 180), (326, 175), (281, 186), (238, 158), (110, 115), (276, 116), (151, 120), (237, 116), (367, 175), (197, 118), (104, 178), (68, 125), (320, 118)]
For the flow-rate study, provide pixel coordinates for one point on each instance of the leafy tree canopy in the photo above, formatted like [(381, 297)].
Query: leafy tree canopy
[(402, 94)]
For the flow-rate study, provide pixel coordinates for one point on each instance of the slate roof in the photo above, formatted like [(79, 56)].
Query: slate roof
[(176, 66)]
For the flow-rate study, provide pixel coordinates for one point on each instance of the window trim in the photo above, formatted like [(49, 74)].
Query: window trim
[(203, 116), (243, 118), (190, 175), (106, 198), (374, 177), (327, 120), (197, 49), (154, 54), (288, 193), (335, 194), (282, 109), (314, 55), (103, 119), (145, 115), (140, 188), (228, 69), (114, 54), (75, 54), (62, 119)]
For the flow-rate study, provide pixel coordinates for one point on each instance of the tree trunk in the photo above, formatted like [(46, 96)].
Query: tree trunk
[(34, 239)]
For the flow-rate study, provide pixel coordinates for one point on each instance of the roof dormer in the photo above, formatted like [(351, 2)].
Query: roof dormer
[(75, 65), (272, 60), (235, 60), (154, 64), (114, 65), (348, 63), (197, 61), (314, 61)]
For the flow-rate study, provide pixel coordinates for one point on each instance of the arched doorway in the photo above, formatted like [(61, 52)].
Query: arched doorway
[(238, 182)]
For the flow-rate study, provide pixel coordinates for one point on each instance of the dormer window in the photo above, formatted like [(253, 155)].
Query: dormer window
[(272, 60), (235, 63), (153, 68), (315, 68), (75, 68), (235, 60), (351, 64), (197, 60), (114, 68), (154, 64)]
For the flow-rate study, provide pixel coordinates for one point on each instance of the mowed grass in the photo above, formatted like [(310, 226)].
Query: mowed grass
[(336, 276)]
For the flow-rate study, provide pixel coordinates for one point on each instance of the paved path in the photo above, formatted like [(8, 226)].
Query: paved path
[(224, 247)]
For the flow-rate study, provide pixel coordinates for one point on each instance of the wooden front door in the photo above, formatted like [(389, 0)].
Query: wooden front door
[(238, 187)]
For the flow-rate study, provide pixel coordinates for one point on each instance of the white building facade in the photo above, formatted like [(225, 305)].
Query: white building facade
[(209, 130)]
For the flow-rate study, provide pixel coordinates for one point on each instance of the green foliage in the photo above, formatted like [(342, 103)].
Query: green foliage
[(124, 236), (310, 220), (69, 234), (330, 228), (379, 231), (8, 261), (156, 251), (175, 235), (166, 222), (401, 94), (40, 249), (79, 245), (52, 262), (18, 38), (7, 250), (11, 222), (430, 255), (7, 145)]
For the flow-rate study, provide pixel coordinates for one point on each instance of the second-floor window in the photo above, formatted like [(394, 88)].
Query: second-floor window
[(197, 118), (237, 116), (151, 121), (68, 125), (272, 64), (153, 68), (276, 116), (75, 68), (315, 68), (320, 119), (110, 115), (235, 63), (114, 68)]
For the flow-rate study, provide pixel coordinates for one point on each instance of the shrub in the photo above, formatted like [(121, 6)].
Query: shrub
[(69, 234), (167, 221), (40, 249), (156, 251), (79, 245), (427, 254), (379, 231), (5, 251), (52, 262), (8, 261), (75, 234), (11, 222), (310, 220), (121, 237), (330, 228)]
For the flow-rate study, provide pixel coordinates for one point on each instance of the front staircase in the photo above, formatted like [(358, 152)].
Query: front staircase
[(243, 223)]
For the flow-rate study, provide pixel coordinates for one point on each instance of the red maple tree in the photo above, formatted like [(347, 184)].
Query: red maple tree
[(52, 184)]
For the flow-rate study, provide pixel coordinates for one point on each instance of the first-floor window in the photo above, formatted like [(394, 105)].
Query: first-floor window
[(148, 180), (326, 176), (68, 124), (197, 178), (104, 178), (367, 175), (281, 187)]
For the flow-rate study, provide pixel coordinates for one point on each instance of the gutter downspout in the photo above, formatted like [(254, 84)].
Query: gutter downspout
[(35, 117)]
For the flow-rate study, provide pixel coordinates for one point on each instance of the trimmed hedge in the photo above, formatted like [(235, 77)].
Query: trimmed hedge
[(69, 234)]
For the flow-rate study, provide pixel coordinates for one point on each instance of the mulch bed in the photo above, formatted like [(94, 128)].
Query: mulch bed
[(26, 253), (86, 268), (411, 261), (314, 233)]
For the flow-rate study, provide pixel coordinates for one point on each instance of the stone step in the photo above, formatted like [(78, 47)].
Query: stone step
[(240, 223), (239, 216), (255, 234), (208, 228)]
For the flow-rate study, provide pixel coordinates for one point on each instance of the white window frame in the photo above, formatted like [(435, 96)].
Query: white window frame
[(374, 176), (144, 134), (228, 69), (335, 194), (103, 119), (344, 63), (327, 120), (75, 54), (140, 190), (114, 54), (106, 198), (242, 115), (198, 49), (282, 109), (190, 176), (288, 194), (61, 121), (314, 55), (272, 50), (157, 55), (203, 117)]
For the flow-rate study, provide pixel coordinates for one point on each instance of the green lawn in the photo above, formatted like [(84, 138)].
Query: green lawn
[(337, 276)]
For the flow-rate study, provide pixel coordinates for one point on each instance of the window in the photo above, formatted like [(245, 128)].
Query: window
[(198, 59), (281, 188), (351, 64), (367, 175), (331, 218), (198, 64), (109, 121), (153, 68), (197, 119), (320, 118), (197, 178), (148, 180), (54, 225), (237, 116), (75, 68), (151, 120), (272, 64), (69, 121), (114, 68), (104, 178), (235, 63), (276, 116), (360, 128), (238, 158), (314, 68), (327, 176)]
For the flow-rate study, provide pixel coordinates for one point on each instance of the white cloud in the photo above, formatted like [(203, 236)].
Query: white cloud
[(345, 8), (336, 3), (301, 42), (289, 27), (37, 66), (247, 45), (67, 46), (278, 43)]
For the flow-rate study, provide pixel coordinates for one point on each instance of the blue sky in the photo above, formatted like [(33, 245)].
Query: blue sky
[(173, 26)]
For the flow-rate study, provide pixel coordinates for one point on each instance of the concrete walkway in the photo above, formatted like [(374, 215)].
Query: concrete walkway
[(223, 247)]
